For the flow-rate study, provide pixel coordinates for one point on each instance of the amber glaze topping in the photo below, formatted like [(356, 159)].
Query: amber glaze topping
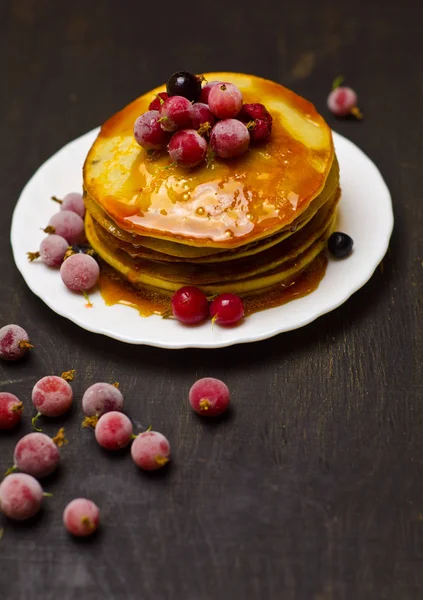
[(223, 203)]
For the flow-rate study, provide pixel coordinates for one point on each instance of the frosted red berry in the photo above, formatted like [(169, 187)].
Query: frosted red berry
[(227, 309), (81, 517), (113, 431), (36, 454), (201, 114), (156, 104), (190, 305), (225, 100), (52, 396), (75, 203), (53, 249), (14, 342), (187, 148), (205, 92), (80, 272), (68, 225), (148, 133), (101, 398), (209, 397), (229, 138), (150, 450), (342, 101), (21, 496), (175, 113), (10, 410)]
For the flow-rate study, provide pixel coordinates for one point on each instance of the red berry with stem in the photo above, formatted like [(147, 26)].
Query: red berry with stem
[(260, 131), (37, 454), (14, 342), (229, 138), (113, 431), (175, 113), (148, 133), (187, 148), (75, 203), (227, 309), (68, 225), (251, 112), (156, 104), (209, 397), (201, 115), (53, 249), (190, 305), (150, 450), (225, 100), (81, 517), (80, 272), (205, 92), (342, 101), (10, 410), (52, 396), (21, 496), (101, 398)]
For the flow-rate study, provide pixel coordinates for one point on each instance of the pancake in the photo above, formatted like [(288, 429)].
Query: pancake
[(242, 226)]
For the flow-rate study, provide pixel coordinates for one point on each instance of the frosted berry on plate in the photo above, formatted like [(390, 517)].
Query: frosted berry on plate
[(80, 272), (229, 138), (175, 113), (205, 91), (201, 115), (187, 148), (148, 133), (225, 100), (68, 225), (52, 250)]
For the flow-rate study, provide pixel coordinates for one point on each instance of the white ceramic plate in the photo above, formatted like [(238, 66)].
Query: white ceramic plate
[(364, 192)]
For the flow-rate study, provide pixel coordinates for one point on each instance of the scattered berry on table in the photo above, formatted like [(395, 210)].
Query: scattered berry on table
[(75, 203), (205, 92), (175, 113), (201, 115), (225, 100), (68, 225), (229, 138), (209, 397), (21, 496), (148, 133), (10, 410), (101, 398), (14, 342), (150, 450), (36, 454), (81, 517), (190, 305), (52, 250), (342, 101), (340, 244), (187, 148), (227, 309), (184, 84), (52, 396), (158, 101), (80, 272), (114, 430)]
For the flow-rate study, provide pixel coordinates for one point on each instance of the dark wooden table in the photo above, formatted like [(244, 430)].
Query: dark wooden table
[(313, 487)]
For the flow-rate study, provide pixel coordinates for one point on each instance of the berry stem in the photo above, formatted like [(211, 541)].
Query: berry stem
[(68, 375), (59, 439), (161, 460), (11, 470), (90, 422), (32, 256), (89, 304), (49, 229), (204, 404), (56, 199), (48, 495), (17, 408), (34, 421), (356, 112), (337, 82), (25, 344), (116, 384)]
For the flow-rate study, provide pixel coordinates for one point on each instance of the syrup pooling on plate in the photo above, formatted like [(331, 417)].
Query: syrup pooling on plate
[(224, 203)]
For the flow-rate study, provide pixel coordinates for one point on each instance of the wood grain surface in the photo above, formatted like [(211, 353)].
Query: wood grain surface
[(312, 488)]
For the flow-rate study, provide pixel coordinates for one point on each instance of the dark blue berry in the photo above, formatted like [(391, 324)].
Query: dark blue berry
[(184, 84), (340, 244)]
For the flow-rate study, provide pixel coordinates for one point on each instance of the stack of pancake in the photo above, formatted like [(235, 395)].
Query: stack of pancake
[(242, 226)]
